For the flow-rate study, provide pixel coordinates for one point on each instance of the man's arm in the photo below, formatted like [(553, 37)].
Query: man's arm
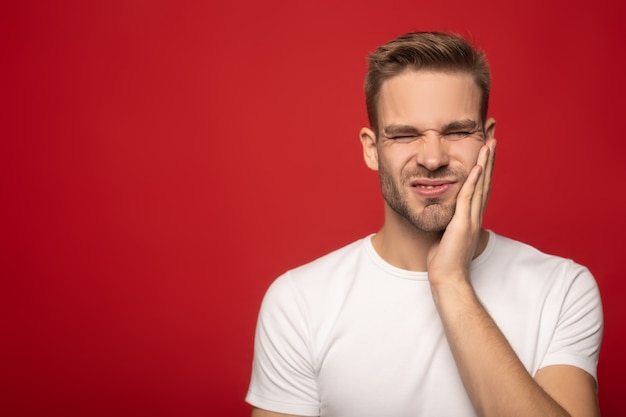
[(571, 387), (495, 379)]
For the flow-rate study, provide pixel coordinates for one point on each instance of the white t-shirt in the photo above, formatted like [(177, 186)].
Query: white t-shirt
[(351, 335)]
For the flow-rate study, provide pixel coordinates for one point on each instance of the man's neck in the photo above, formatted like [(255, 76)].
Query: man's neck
[(402, 245)]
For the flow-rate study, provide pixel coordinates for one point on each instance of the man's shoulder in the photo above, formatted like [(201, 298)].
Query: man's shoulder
[(335, 262), (331, 270), (336, 255), (505, 244), (514, 254)]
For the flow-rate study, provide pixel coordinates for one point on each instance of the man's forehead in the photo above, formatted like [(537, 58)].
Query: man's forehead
[(415, 97), (429, 73)]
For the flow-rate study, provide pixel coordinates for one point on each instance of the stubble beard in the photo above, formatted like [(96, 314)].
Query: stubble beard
[(435, 215)]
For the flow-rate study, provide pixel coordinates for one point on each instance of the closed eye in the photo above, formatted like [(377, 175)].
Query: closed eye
[(402, 138), (458, 135)]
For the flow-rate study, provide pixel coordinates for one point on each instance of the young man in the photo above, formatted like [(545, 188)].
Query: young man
[(432, 315)]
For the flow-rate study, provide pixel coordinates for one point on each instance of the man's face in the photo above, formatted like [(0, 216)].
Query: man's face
[(429, 139)]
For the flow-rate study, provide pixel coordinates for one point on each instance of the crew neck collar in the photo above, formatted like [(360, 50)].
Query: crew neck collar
[(421, 276)]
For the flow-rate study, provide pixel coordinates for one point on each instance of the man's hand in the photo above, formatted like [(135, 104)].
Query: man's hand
[(451, 258)]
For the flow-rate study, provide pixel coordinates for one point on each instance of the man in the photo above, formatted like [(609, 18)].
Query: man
[(432, 315)]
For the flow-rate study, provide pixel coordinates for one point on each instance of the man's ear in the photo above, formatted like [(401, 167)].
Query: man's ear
[(490, 128), (370, 151)]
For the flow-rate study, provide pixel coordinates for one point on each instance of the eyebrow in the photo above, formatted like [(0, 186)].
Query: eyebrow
[(467, 124), (395, 130)]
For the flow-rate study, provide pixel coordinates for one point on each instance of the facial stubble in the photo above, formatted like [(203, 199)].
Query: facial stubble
[(436, 214)]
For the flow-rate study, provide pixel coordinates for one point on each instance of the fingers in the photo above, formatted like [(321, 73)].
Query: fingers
[(481, 189), (474, 193), (491, 143), (471, 189)]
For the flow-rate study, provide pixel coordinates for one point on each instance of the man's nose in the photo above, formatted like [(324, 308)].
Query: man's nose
[(432, 152)]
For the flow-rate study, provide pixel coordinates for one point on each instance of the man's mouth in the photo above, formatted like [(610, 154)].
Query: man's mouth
[(427, 183), (426, 186), (431, 188)]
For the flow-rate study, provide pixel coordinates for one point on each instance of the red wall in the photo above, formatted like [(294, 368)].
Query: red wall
[(162, 162)]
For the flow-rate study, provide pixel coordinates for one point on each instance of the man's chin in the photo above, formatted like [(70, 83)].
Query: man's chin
[(428, 228), (434, 220)]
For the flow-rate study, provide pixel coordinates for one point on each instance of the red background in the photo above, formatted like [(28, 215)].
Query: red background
[(162, 162)]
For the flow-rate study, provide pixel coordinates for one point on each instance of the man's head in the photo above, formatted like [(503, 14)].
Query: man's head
[(433, 51), (427, 100)]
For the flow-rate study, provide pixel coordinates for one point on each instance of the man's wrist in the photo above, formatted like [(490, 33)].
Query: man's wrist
[(453, 286)]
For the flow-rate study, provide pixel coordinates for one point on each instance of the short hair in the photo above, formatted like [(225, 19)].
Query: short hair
[(424, 51)]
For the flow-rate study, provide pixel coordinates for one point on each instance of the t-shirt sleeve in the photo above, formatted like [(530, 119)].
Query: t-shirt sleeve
[(283, 374), (578, 334)]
